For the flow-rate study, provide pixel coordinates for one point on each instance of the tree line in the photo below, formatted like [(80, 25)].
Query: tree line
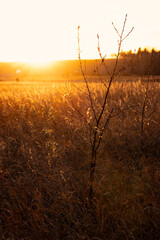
[(143, 62)]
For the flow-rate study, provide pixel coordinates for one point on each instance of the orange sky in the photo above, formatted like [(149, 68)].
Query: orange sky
[(46, 30)]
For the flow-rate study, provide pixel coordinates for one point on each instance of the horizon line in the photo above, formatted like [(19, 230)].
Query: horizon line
[(112, 56)]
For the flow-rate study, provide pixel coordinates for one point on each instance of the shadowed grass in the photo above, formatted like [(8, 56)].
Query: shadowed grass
[(44, 164)]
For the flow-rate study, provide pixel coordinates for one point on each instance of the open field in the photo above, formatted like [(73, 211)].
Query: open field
[(45, 157)]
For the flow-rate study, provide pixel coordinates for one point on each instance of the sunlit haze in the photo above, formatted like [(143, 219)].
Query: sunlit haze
[(46, 30)]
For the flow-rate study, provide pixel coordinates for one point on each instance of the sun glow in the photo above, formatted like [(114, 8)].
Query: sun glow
[(40, 31)]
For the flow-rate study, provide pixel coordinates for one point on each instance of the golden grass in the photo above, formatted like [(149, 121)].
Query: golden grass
[(44, 164)]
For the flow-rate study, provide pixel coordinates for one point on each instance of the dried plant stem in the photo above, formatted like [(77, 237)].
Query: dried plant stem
[(100, 120)]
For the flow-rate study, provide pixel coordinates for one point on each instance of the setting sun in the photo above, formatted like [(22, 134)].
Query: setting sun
[(79, 119), (46, 30)]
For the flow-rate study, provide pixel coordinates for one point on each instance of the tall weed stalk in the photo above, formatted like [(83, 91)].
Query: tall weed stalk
[(100, 117)]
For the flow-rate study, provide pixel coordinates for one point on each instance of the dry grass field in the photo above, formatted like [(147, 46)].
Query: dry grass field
[(45, 155)]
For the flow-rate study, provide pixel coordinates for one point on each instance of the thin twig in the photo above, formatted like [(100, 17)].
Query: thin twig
[(103, 129), (84, 77)]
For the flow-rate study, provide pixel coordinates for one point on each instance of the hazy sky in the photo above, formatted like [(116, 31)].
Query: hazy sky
[(41, 30)]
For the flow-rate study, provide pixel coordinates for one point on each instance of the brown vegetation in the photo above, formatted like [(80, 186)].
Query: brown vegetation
[(44, 152)]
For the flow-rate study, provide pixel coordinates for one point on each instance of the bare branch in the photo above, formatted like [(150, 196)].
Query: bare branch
[(124, 67), (103, 58), (128, 34), (84, 77), (116, 29), (99, 121), (99, 50), (100, 76), (103, 129), (124, 24)]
